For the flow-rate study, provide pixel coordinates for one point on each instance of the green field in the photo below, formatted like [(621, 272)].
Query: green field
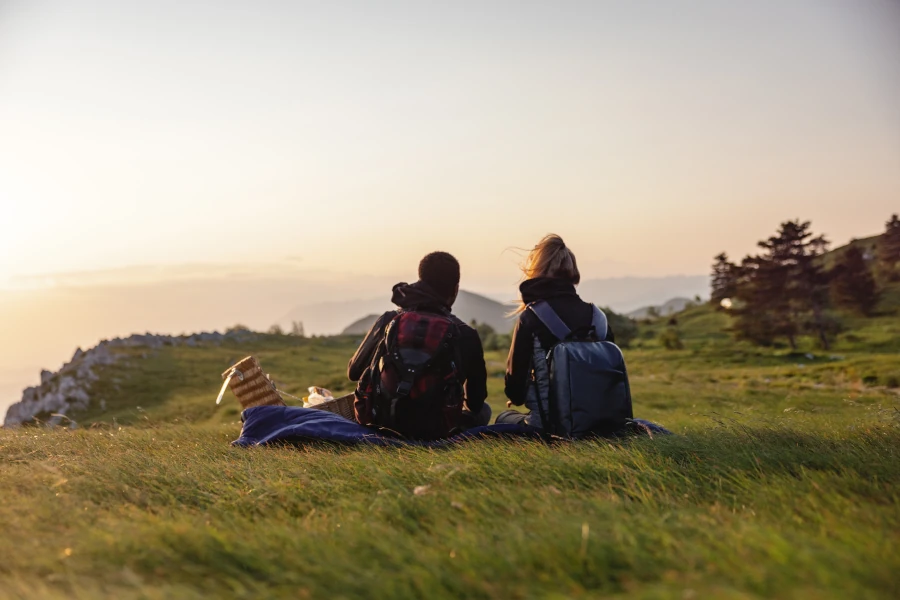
[(783, 481)]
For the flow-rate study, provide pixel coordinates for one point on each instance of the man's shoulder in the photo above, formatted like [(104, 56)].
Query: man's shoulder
[(464, 327), (382, 321), (468, 335)]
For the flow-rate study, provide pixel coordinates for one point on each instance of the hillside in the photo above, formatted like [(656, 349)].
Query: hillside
[(706, 328), (146, 499), (135, 493), (868, 246)]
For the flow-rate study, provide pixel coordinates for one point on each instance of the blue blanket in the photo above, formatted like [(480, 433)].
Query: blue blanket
[(268, 424)]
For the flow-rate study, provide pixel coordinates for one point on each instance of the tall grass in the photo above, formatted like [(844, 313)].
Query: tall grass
[(784, 482)]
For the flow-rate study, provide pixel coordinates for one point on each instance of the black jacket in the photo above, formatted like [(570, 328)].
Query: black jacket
[(419, 296), (574, 312)]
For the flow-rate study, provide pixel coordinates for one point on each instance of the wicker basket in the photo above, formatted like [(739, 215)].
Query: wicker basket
[(251, 385), (340, 406), (253, 388)]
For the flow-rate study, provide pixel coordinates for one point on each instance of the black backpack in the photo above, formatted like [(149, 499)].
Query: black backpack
[(413, 386), (581, 381)]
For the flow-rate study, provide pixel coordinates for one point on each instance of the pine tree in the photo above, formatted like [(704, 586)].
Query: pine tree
[(759, 306), (812, 289), (723, 280), (889, 250), (783, 291), (852, 283)]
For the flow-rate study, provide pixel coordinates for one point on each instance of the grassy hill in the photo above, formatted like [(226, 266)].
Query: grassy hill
[(781, 483)]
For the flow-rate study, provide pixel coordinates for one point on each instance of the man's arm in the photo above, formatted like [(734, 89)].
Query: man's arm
[(366, 351), (475, 369)]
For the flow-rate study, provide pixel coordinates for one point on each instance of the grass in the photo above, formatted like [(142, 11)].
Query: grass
[(784, 482)]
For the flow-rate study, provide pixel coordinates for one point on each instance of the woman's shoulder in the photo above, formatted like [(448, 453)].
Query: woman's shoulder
[(526, 318)]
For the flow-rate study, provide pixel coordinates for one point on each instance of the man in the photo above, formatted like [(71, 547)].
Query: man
[(383, 398)]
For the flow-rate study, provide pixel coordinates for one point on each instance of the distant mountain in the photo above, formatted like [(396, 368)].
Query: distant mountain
[(468, 307), (360, 326), (476, 307), (670, 307), (626, 294), (331, 317)]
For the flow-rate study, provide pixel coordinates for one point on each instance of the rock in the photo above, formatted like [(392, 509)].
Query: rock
[(69, 388)]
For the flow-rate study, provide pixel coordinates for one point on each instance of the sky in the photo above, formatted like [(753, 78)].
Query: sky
[(178, 144), (651, 135)]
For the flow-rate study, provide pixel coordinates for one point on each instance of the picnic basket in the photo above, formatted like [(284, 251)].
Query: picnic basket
[(250, 384), (340, 406), (252, 387)]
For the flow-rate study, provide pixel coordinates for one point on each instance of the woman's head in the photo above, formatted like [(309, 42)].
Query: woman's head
[(551, 258)]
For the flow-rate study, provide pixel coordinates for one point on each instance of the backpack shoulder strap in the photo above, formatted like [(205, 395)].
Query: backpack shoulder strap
[(600, 323), (550, 319)]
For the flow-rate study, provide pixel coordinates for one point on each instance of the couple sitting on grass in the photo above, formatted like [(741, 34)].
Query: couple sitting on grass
[(421, 371)]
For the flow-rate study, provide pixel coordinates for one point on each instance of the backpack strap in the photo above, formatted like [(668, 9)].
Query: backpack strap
[(600, 323), (550, 319)]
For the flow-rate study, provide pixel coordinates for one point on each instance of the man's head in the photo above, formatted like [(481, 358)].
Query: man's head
[(441, 272)]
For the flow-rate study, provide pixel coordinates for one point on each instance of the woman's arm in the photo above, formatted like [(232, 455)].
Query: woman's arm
[(518, 364)]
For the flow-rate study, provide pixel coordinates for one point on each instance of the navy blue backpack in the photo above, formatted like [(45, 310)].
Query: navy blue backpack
[(581, 380)]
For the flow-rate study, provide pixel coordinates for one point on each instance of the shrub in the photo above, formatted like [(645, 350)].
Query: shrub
[(297, 329), (670, 339), (624, 328)]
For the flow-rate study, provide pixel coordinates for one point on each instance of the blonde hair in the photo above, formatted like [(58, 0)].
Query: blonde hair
[(550, 258)]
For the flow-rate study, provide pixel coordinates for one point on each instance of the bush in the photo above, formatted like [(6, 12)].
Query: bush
[(670, 339), (497, 341), (490, 339), (624, 328)]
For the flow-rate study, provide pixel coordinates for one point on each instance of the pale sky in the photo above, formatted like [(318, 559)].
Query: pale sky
[(353, 137)]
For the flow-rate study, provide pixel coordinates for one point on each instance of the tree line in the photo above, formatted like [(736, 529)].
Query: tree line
[(790, 289)]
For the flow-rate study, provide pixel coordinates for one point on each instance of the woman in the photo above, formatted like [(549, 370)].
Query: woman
[(551, 274)]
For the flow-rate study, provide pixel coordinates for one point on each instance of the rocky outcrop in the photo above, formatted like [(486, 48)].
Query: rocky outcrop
[(69, 389)]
